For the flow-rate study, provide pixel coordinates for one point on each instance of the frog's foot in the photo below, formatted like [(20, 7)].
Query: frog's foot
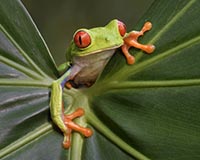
[(131, 40), (73, 126), (68, 85)]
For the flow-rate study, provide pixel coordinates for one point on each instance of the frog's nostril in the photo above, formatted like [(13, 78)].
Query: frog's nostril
[(107, 39)]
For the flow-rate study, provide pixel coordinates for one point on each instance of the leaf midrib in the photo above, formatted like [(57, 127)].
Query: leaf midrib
[(24, 83), (153, 84), (126, 85)]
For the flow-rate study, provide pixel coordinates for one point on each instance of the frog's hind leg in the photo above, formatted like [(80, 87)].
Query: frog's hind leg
[(62, 120), (68, 120), (70, 124)]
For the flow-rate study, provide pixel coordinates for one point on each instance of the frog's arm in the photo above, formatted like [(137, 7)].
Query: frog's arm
[(63, 67), (131, 40), (64, 122)]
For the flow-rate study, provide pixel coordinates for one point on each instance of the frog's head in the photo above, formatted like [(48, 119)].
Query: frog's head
[(95, 40)]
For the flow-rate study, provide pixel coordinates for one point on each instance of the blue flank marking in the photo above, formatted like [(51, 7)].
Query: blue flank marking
[(63, 82), (66, 79)]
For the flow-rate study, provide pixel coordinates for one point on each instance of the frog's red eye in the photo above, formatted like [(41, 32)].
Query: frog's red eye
[(82, 39), (122, 28)]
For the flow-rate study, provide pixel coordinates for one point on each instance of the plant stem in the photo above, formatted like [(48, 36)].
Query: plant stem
[(75, 152), (93, 120)]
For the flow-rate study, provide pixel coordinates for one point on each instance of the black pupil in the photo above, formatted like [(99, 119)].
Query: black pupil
[(80, 40)]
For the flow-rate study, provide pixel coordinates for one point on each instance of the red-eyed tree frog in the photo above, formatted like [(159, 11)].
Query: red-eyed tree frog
[(87, 55)]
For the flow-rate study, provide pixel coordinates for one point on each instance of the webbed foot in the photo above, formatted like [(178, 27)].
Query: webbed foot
[(68, 120), (131, 40)]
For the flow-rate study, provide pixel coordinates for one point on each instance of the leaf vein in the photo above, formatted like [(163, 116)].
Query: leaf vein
[(167, 26), (126, 71), (152, 84), (30, 61), (173, 20), (20, 68), (27, 139)]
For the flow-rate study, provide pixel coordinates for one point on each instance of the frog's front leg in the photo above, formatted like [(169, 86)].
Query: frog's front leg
[(131, 40), (63, 121)]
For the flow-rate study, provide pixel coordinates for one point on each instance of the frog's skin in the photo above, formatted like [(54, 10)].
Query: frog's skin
[(87, 55)]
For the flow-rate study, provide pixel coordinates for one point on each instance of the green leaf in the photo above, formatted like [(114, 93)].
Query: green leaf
[(22, 46), (26, 73), (150, 108)]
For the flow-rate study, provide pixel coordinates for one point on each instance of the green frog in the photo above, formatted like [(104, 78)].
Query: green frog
[(89, 52)]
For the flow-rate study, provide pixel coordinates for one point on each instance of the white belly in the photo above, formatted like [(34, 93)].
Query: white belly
[(88, 68)]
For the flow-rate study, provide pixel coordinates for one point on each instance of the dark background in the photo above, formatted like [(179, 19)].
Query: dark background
[(58, 20)]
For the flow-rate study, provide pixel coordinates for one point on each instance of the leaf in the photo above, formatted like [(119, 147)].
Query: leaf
[(23, 35), (154, 105), (26, 73), (151, 107)]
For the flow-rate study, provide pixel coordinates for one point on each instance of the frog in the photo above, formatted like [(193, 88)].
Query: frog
[(87, 55)]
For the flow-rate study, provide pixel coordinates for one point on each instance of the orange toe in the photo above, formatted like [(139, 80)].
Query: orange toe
[(72, 126)]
